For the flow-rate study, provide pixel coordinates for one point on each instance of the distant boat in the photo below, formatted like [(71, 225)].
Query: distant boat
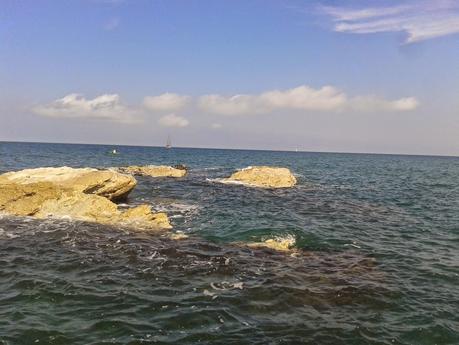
[(168, 142), (114, 152)]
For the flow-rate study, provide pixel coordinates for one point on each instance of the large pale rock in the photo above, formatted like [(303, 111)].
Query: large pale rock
[(48, 200), (26, 199), (106, 183), (142, 215), (155, 170), (264, 177), (94, 208)]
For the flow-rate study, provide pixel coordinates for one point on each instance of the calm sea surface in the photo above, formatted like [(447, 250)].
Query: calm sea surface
[(379, 262)]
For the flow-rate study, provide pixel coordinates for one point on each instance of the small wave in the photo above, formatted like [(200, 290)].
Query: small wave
[(178, 207), (207, 169), (225, 181)]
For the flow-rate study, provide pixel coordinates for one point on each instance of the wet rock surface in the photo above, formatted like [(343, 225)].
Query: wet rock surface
[(264, 177), (155, 170), (107, 183), (80, 194)]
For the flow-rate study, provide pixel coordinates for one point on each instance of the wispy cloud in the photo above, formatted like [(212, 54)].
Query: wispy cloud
[(104, 107), (166, 102), (172, 120), (302, 98), (420, 20)]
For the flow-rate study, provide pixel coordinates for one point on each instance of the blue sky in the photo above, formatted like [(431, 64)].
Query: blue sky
[(351, 76)]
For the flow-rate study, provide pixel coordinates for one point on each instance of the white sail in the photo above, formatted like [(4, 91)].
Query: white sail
[(168, 142)]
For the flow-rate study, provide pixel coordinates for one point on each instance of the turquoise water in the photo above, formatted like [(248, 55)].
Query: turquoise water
[(379, 260)]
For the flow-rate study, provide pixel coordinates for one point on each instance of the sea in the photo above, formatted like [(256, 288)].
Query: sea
[(375, 259)]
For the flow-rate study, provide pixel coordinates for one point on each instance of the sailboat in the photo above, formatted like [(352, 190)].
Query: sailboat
[(168, 142)]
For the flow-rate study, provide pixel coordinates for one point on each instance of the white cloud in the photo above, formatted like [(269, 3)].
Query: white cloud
[(304, 98), (371, 103), (105, 107), (234, 105), (172, 120), (166, 102), (420, 20)]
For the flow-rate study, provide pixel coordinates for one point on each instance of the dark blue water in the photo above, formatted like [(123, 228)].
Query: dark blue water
[(377, 262)]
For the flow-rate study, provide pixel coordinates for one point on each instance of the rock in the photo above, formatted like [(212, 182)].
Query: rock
[(26, 200), (94, 208), (178, 236), (106, 183), (155, 170), (48, 200), (142, 215), (180, 167), (264, 177), (283, 244), (76, 205)]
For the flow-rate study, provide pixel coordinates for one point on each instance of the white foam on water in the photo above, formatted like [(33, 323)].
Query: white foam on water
[(207, 169), (225, 181)]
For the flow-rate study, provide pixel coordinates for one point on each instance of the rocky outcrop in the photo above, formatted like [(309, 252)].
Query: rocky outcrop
[(263, 177), (106, 183), (26, 200), (94, 208), (155, 170), (48, 200), (80, 194)]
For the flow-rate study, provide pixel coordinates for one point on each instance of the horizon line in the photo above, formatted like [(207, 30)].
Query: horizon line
[(236, 149)]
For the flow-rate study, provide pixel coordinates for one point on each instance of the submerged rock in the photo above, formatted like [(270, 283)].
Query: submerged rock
[(264, 177), (106, 183), (178, 236), (48, 200), (283, 244), (155, 170)]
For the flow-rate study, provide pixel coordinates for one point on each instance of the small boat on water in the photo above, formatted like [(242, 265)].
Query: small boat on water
[(114, 152), (168, 142)]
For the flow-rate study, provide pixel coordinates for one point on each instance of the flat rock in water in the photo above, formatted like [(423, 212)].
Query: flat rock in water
[(155, 170), (264, 177), (107, 183)]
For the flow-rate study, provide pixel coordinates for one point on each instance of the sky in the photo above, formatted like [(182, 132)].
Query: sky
[(340, 76)]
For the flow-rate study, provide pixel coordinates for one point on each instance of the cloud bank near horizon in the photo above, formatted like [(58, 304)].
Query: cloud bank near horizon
[(419, 20), (172, 120), (103, 107), (301, 99), (166, 102)]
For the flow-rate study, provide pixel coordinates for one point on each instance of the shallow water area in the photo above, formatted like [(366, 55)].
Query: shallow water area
[(123, 285), (376, 256)]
